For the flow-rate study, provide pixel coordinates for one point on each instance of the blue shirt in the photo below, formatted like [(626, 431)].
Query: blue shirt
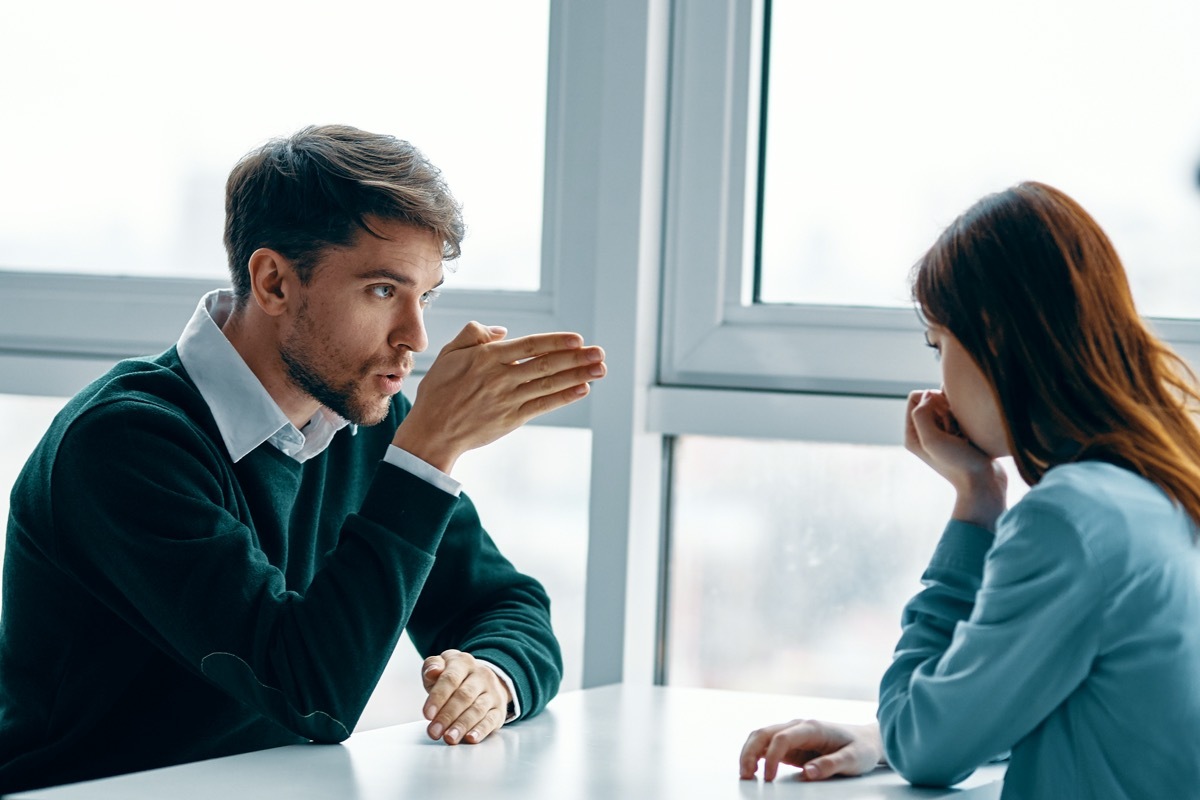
[(1072, 639)]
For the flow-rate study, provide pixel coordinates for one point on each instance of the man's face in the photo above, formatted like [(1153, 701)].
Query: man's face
[(360, 319)]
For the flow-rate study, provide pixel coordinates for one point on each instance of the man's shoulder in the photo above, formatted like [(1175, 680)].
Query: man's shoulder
[(160, 376), (137, 409), (152, 387)]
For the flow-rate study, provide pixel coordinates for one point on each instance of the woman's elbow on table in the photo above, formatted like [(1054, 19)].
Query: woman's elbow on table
[(923, 763)]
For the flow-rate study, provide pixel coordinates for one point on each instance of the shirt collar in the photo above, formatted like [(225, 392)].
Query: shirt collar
[(245, 413)]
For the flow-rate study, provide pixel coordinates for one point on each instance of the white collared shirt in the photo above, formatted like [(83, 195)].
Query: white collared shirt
[(247, 415)]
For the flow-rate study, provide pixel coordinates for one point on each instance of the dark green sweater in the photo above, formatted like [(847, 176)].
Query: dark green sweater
[(163, 604)]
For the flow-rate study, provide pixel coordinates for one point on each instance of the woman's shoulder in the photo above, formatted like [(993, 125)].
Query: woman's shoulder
[(1084, 486), (1105, 506)]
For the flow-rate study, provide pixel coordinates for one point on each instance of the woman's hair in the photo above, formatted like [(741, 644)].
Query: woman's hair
[(1034, 290)]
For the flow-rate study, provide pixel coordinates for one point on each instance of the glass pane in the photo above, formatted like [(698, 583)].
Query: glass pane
[(126, 117), (886, 120), (791, 562), (531, 490)]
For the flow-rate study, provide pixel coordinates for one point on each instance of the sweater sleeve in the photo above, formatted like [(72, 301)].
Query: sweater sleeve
[(996, 640), (147, 518), (476, 601)]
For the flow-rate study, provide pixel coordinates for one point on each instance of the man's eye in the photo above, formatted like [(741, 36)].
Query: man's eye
[(383, 291), (429, 297)]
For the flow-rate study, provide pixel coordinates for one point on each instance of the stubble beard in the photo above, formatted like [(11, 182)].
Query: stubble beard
[(297, 354)]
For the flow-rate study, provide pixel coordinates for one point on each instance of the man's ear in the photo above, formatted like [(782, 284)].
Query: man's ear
[(273, 282)]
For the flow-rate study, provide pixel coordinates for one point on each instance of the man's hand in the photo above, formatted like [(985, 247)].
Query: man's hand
[(822, 749), (467, 699), (482, 386)]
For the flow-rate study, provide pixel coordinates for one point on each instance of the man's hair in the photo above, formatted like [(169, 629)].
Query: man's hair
[(1034, 290), (316, 189)]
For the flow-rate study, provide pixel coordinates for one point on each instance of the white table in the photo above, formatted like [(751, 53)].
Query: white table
[(607, 743)]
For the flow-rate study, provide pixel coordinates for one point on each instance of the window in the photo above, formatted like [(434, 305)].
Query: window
[(788, 341), (790, 561), (886, 120), (865, 163), (133, 112)]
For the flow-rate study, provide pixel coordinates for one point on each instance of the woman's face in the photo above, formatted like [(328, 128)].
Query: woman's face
[(970, 395)]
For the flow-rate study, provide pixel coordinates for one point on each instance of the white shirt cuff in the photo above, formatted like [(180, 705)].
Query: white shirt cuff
[(512, 690), (422, 469)]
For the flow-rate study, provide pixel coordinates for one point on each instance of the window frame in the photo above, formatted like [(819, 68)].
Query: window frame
[(713, 336)]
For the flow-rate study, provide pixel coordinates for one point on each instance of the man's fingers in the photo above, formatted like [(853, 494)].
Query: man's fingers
[(535, 344), (474, 334), (543, 404), (490, 722), (441, 676), (481, 388), (467, 702), (471, 717), (431, 670), (552, 384), (558, 361)]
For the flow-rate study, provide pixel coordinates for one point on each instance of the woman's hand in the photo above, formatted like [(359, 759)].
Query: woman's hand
[(931, 432), (821, 749)]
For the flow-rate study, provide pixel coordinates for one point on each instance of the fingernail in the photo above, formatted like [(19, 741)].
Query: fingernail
[(595, 355), (581, 389), (452, 735), (811, 773), (497, 329), (473, 736), (435, 730), (430, 711), (597, 370)]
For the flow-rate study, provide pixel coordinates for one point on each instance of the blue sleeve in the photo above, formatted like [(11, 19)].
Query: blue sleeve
[(997, 639)]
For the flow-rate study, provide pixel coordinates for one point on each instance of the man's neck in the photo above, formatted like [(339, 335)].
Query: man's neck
[(256, 340)]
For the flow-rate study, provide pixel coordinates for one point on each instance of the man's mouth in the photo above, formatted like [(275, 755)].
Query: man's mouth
[(391, 382)]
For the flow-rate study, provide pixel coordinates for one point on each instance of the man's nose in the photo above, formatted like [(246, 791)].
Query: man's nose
[(408, 330)]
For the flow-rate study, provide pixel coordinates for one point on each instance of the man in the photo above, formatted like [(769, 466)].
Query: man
[(216, 549)]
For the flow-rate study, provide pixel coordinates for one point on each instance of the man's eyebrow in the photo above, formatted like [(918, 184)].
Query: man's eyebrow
[(383, 273)]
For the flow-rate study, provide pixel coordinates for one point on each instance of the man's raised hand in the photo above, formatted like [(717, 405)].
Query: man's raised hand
[(483, 386)]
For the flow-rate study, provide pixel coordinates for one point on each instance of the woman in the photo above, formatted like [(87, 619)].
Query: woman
[(1067, 629)]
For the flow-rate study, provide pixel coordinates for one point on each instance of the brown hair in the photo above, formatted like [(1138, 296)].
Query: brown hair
[(1034, 290), (315, 189)]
